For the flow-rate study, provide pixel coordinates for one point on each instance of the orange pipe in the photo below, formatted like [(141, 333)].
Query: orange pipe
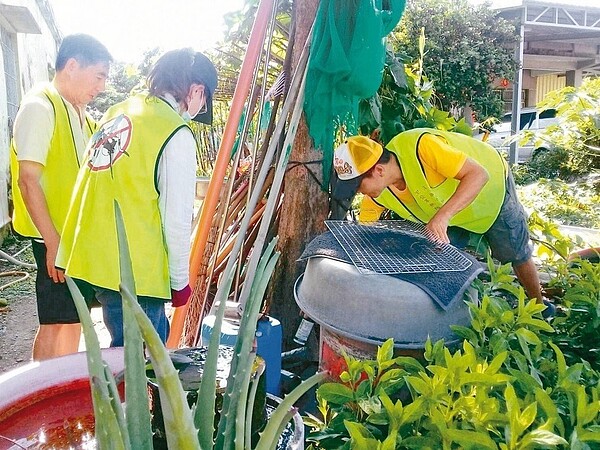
[(229, 245), (242, 90)]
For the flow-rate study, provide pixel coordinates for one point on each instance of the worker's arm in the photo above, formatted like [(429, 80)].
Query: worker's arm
[(30, 173), (472, 177)]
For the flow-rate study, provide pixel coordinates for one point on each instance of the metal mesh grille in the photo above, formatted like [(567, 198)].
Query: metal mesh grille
[(395, 246)]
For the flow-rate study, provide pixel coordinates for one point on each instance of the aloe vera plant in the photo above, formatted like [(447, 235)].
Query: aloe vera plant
[(185, 427)]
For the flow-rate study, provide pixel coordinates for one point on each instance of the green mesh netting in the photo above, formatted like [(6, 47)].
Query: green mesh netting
[(346, 64)]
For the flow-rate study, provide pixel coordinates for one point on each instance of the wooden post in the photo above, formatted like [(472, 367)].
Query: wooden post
[(305, 205)]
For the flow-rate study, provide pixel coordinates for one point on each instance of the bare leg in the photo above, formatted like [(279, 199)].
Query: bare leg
[(68, 340), (528, 277), (56, 340)]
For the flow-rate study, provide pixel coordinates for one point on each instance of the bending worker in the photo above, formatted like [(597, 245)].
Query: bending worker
[(441, 179)]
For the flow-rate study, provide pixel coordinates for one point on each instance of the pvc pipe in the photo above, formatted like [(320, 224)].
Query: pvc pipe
[(209, 206), (13, 260)]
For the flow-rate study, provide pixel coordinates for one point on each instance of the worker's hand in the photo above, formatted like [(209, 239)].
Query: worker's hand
[(437, 229), (181, 297), (57, 275)]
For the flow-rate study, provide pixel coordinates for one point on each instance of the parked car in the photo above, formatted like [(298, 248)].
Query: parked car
[(532, 120)]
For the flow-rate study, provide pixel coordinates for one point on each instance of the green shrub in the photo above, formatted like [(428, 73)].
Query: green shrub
[(517, 382), (545, 163), (576, 203)]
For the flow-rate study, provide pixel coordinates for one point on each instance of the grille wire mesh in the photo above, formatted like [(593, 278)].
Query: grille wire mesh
[(395, 246)]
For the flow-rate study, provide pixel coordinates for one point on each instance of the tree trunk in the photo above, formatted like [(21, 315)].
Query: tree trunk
[(305, 205)]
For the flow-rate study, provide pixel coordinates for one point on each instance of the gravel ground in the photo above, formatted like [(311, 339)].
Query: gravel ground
[(18, 311)]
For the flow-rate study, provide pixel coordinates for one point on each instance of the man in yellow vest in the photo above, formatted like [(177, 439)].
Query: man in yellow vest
[(51, 132), (441, 179)]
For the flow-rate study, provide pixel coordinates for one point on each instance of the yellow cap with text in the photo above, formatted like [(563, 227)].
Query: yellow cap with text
[(356, 156)]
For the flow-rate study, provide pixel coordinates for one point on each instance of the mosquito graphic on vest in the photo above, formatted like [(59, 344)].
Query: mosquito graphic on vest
[(109, 143)]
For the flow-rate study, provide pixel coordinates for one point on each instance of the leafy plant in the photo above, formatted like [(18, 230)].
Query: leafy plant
[(545, 163), (517, 382), (569, 204), (404, 100), (468, 46)]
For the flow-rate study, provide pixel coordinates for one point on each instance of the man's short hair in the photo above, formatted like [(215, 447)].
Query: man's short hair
[(85, 49), (385, 157)]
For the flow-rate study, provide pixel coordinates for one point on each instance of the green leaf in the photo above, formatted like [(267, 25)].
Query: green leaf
[(529, 336), (421, 386), (528, 416), (370, 405), (270, 434), (463, 127), (410, 364), (470, 439), (179, 423), (362, 438), (414, 411), (385, 352), (137, 412), (335, 393), (241, 364), (364, 389), (543, 438), (390, 380), (109, 433), (464, 332), (549, 408), (389, 443), (536, 323), (496, 363), (109, 426), (379, 418), (560, 359), (589, 436)]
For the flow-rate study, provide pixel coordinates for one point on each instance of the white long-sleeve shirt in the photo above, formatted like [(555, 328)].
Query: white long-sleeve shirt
[(176, 179)]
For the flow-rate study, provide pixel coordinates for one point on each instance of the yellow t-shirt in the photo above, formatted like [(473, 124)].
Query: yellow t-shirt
[(440, 161)]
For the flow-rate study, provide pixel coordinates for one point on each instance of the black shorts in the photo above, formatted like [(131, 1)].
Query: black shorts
[(54, 302)]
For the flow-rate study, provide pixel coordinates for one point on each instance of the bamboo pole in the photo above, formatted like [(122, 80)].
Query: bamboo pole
[(242, 89)]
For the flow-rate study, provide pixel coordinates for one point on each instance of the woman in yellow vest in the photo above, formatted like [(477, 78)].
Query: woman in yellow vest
[(441, 179), (141, 164)]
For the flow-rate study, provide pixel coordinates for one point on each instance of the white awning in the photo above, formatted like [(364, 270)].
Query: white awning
[(19, 19)]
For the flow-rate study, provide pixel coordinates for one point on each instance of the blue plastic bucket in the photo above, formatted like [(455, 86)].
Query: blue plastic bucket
[(268, 341)]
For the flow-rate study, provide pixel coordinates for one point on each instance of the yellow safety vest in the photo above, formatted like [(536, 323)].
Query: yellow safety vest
[(478, 216), (121, 166), (60, 172)]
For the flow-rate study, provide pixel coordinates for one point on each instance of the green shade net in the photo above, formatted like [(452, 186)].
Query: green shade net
[(346, 64)]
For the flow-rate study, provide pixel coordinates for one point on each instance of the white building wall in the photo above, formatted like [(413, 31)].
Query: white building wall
[(35, 55)]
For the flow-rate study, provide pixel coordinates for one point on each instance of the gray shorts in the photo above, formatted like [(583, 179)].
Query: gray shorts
[(508, 237)]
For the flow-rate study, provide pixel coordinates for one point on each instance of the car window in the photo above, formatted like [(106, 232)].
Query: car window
[(548, 114), (526, 120)]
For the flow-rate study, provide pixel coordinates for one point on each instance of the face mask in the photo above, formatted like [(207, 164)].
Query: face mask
[(187, 118)]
